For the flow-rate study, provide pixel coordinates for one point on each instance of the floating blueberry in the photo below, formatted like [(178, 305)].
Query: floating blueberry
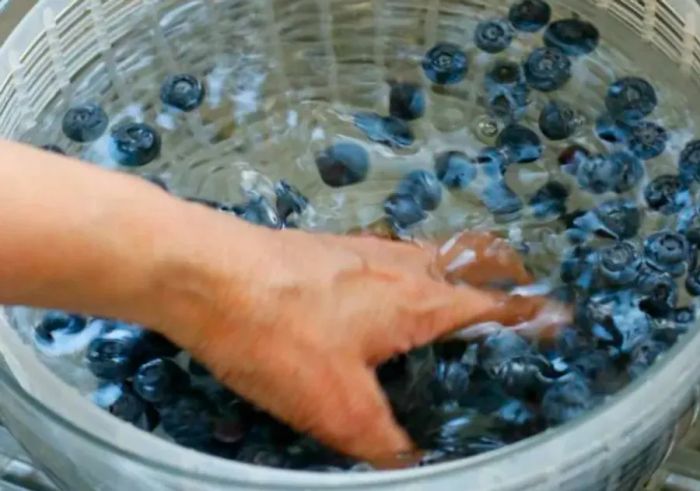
[(85, 123), (662, 194), (424, 187), (619, 263), (390, 131), (668, 252), (550, 200), (407, 101), (182, 91), (692, 283), (446, 64), (134, 144), (689, 162), (618, 219), (159, 380), (343, 164), (647, 140), (189, 420), (131, 408), (403, 210), (567, 399), (493, 161), (659, 291), (574, 37), (523, 144), (289, 200), (631, 171), (58, 323), (559, 121), (530, 15), (572, 156), (53, 149), (547, 69), (610, 130), (631, 99), (455, 170), (501, 201), (598, 174), (494, 35)]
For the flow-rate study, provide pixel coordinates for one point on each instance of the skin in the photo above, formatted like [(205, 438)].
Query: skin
[(294, 322)]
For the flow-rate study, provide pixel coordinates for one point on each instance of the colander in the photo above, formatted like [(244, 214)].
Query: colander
[(63, 49)]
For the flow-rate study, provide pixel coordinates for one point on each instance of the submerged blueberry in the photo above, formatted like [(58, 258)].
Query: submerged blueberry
[(58, 323), (258, 211), (289, 200), (508, 103), (504, 74), (494, 35), (558, 121), (619, 263), (689, 162), (424, 187), (659, 291), (598, 174), (574, 37), (134, 144), (189, 420), (662, 194), (493, 161), (446, 64), (610, 130), (500, 348), (131, 408), (85, 123), (530, 15), (182, 91), (501, 201), (343, 164), (614, 319), (550, 200), (572, 156), (547, 69), (647, 140), (407, 101), (523, 144), (452, 381), (567, 399), (403, 210), (53, 149), (619, 219), (645, 356), (576, 266), (159, 380), (668, 252), (631, 99), (684, 315), (455, 170), (631, 171), (115, 355), (389, 131)]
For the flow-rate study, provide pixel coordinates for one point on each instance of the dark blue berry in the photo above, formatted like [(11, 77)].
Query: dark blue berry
[(446, 64), (572, 156), (183, 92), (131, 408), (631, 99), (424, 187), (258, 211), (530, 15), (567, 399), (455, 170), (598, 174), (619, 263), (159, 380), (610, 130), (493, 161), (689, 161), (631, 171), (115, 355), (403, 210), (58, 324), (547, 69), (659, 292), (343, 164), (452, 382), (574, 37), (504, 74), (501, 201), (550, 200), (390, 131), (576, 266), (523, 144), (668, 252), (692, 283), (619, 219), (494, 35), (407, 101), (508, 104), (85, 123), (189, 420), (134, 144), (53, 149), (662, 194), (290, 201), (647, 140), (500, 348), (515, 415), (558, 121)]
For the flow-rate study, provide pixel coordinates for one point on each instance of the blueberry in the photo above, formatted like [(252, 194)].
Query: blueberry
[(424, 187), (403, 210), (576, 266), (610, 130), (631, 99), (504, 74), (668, 252), (647, 140), (289, 200), (501, 201), (574, 37), (619, 263), (452, 381), (514, 415), (258, 211), (53, 149), (189, 420), (689, 224), (550, 200), (572, 156), (558, 121), (547, 69), (508, 104), (567, 399), (614, 319), (58, 323), (689, 161), (662, 194), (455, 170), (500, 348), (183, 92), (390, 131), (134, 144), (343, 164), (115, 355), (619, 219), (631, 171), (524, 377), (692, 283), (530, 15), (157, 381), (644, 357), (446, 64), (407, 101), (522, 144), (494, 35), (598, 174), (85, 123), (131, 408), (494, 161), (659, 292)]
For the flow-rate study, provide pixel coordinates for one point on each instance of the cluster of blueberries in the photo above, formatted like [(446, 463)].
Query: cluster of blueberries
[(456, 399)]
